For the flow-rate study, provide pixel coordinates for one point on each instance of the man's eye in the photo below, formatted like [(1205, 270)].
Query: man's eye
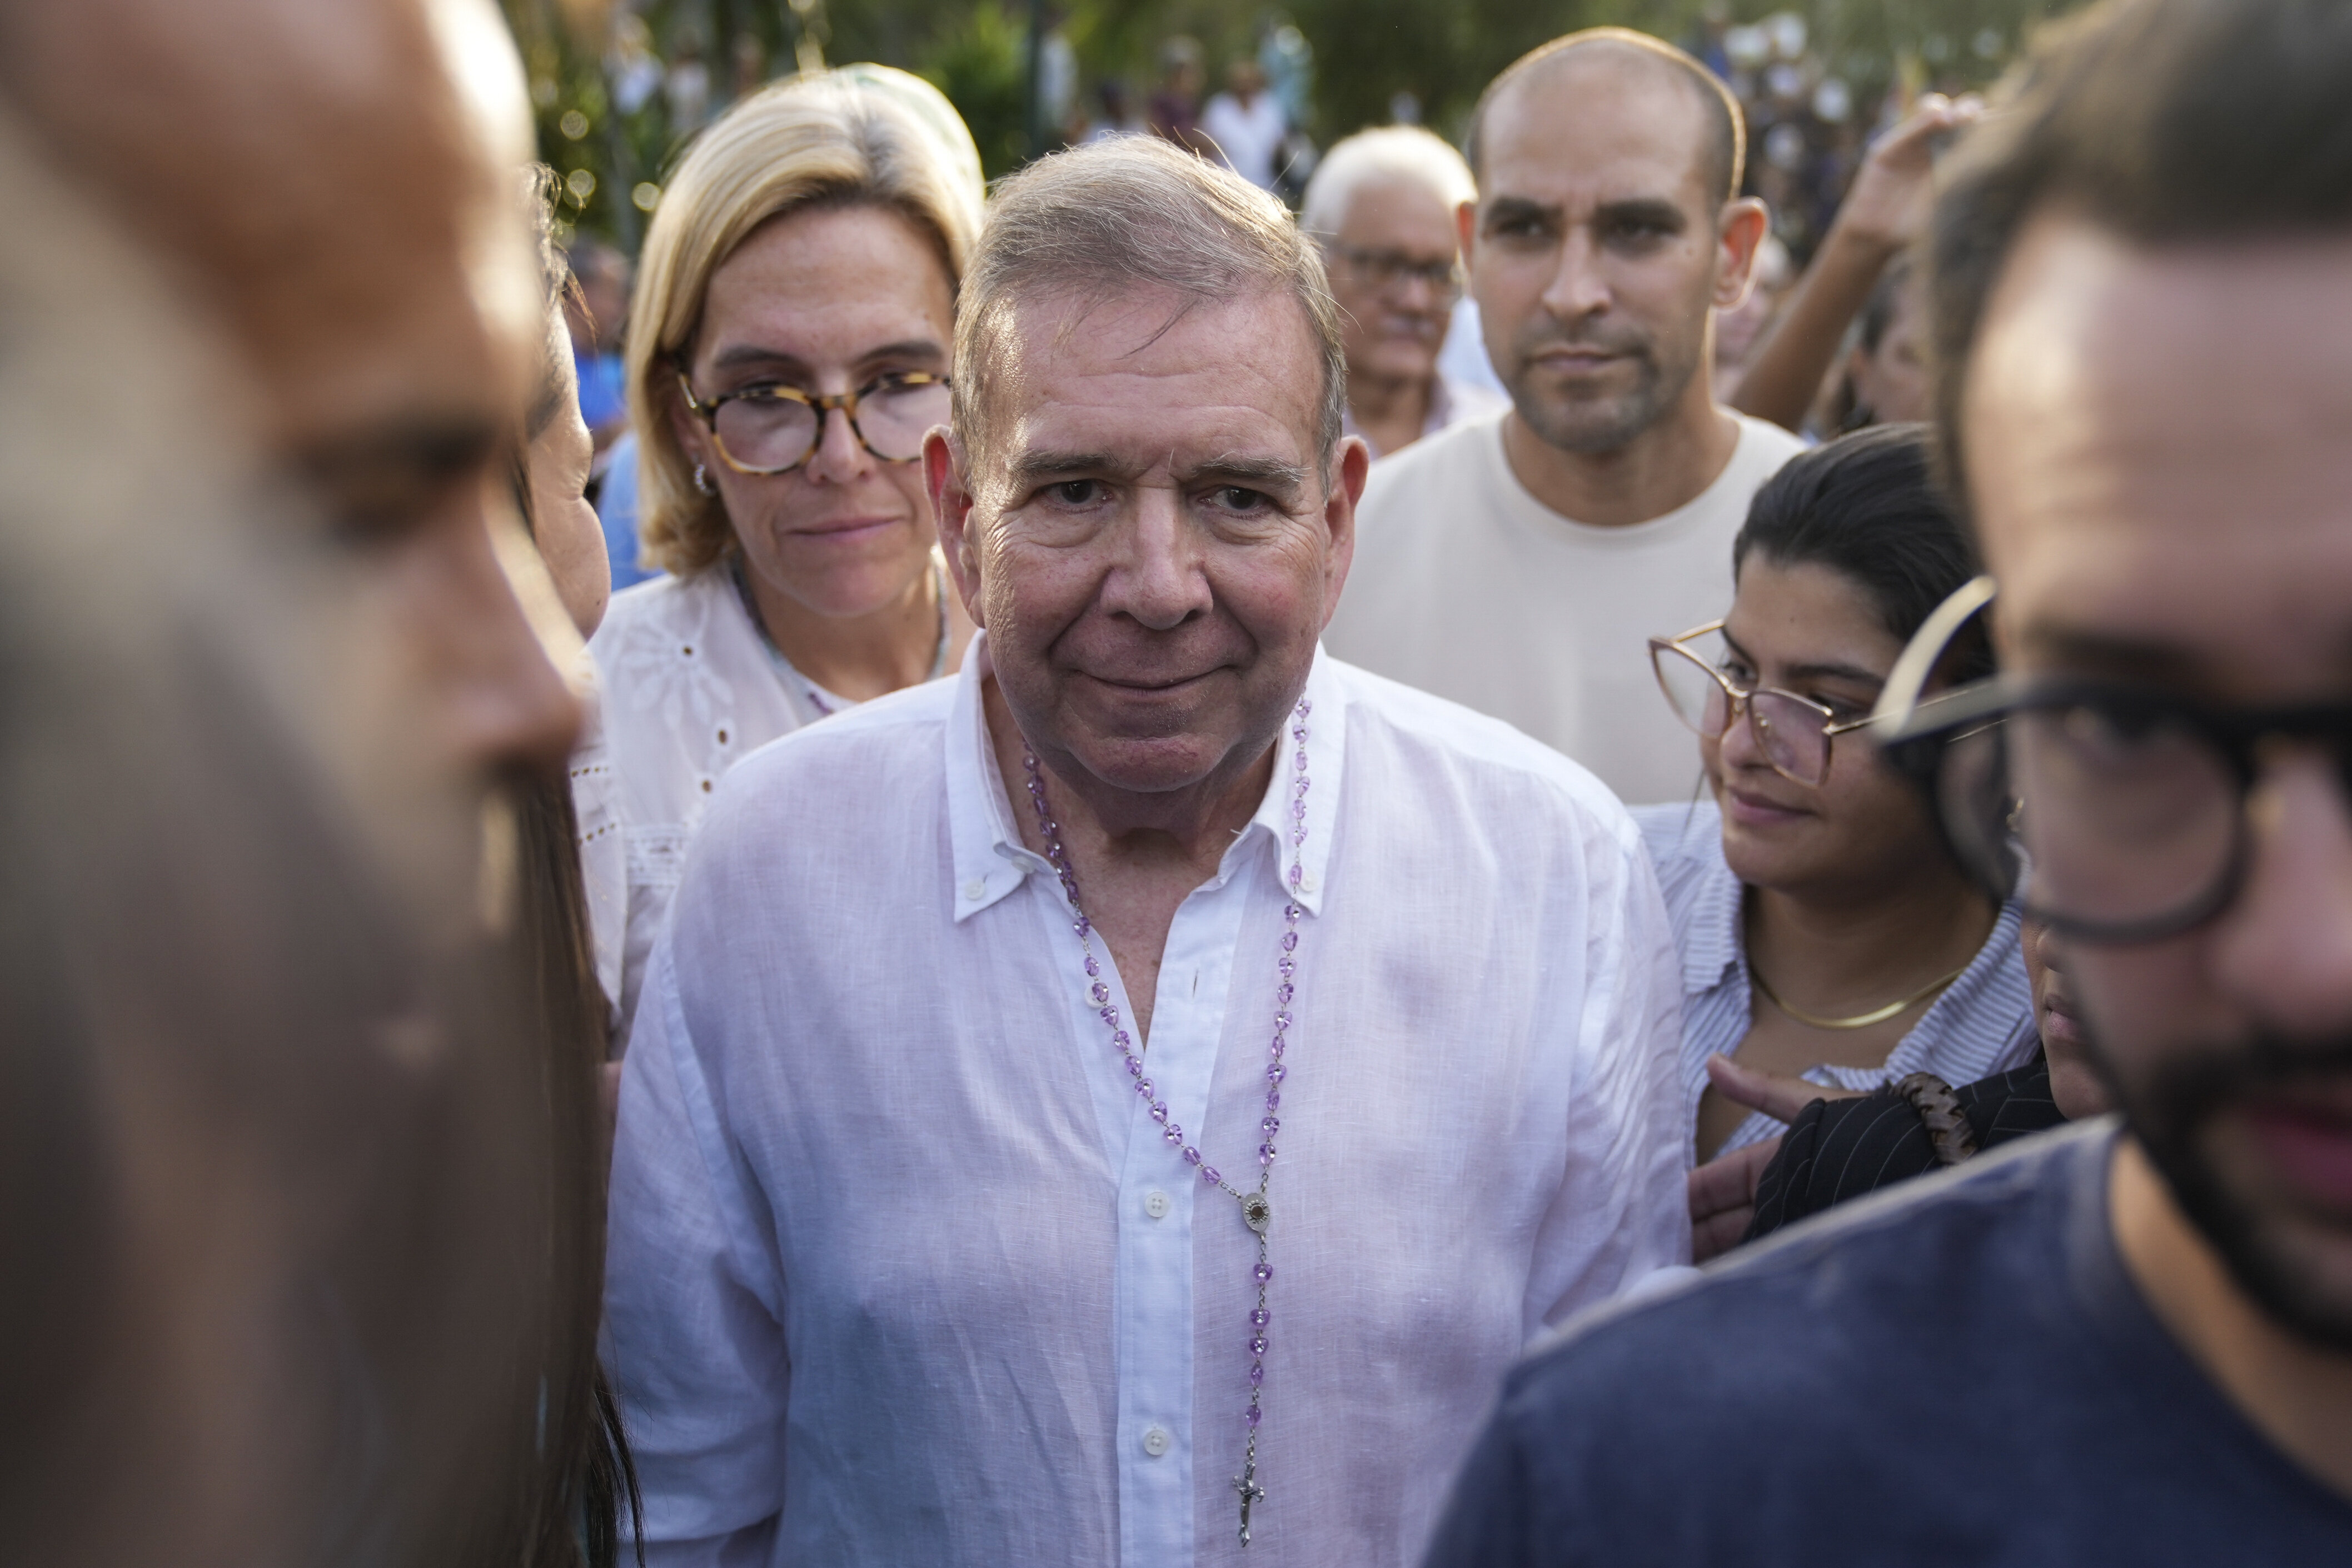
[(1075, 492), (1240, 498)]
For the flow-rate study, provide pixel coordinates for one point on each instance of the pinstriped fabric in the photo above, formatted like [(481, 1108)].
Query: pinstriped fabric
[(1981, 1025), (1841, 1149)]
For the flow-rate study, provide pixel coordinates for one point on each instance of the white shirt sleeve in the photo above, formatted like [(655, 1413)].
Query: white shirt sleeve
[(693, 1306), (1625, 1211)]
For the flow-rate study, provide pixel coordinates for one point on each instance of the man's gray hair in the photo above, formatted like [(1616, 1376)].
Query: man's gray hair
[(1100, 221), (1403, 152)]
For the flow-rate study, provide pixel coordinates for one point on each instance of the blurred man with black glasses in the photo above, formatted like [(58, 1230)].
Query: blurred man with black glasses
[(2131, 1341)]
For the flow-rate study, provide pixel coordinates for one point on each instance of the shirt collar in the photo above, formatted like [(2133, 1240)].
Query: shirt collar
[(991, 860)]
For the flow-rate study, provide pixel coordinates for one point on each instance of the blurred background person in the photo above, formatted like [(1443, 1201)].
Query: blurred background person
[(1515, 564), (1381, 205), (569, 978), (1738, 331), (1883, 212), (1885, 378), (1173, 113), (595, 316), (1827, 933), (272, 663), (1246, 123), (791, 337)]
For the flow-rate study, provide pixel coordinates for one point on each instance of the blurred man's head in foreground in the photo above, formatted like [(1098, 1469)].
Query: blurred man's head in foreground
[(2137, 285), (331, 183)]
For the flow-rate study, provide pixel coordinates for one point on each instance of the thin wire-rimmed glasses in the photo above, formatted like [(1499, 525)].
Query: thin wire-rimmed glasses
[(1388, 271), (1792, 732), (773, 429)]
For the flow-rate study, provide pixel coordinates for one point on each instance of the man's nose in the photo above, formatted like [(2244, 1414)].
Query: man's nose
[(495, 698), (1158, 580), (1579, 284), (2285, 946)]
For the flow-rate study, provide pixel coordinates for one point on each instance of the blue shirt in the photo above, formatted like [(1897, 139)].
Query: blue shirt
[(1957, 1371), (1981, 1025)]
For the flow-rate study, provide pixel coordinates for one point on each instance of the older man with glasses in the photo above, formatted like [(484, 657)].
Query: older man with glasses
[(1381, 203), (2130, 1342)]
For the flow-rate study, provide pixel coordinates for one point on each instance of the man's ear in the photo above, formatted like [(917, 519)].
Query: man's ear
[(1740, 239), (943, 478), (1348, 465), (1466, 229)]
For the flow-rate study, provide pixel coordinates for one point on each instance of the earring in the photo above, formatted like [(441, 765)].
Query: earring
[(702, 480)]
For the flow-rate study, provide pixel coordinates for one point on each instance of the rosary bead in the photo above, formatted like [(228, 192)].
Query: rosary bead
[(1101, 994), (1094, 970), (1135, 1067), (1160, 1112), (1191, 1156), (1274, 1100), (1270, 1126), (1265, 1153), (1276, 1074), (1257, 1345), (1208, 1175), (1174, 1134), (1143, 1087), (1260, 1317), (1254, 1418), (1263, 1272), (1121, 1039), (1291, 912), (1257, 1371), (1283, 993)]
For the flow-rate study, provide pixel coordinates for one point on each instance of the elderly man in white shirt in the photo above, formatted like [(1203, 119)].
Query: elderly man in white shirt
[(1137, 1098)]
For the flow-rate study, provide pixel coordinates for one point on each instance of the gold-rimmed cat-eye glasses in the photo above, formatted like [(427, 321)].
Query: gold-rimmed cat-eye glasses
[(772, 429), (1792, 732)]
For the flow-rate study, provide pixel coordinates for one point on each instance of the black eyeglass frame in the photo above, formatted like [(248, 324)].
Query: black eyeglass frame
[(1742, 699), (821, 404), (1916, 734)]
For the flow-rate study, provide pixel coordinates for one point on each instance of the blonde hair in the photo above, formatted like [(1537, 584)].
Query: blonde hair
[(860, 135), (1136, 213)]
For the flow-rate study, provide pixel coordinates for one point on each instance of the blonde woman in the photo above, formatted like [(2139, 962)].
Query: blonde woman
[(788, 348)]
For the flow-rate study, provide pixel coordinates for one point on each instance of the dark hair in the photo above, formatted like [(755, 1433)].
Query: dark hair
[(1847, 412), (1727, 142), (2160, 119), (1867, 506)]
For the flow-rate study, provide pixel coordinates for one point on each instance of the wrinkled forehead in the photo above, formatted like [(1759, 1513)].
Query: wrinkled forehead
[(1138, 374), (2159, 448)]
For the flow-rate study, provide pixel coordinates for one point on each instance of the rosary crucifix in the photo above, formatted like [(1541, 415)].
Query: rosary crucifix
[(1246, 1484)]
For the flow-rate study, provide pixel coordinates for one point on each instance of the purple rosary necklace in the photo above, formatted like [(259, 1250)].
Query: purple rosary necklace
[(1257, 1213)]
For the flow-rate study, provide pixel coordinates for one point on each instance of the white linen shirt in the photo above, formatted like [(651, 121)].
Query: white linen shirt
[(1982, 1024), (689, 690), (902, 1272)]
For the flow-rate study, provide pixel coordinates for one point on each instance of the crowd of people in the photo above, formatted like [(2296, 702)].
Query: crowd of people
[(1219, 847)]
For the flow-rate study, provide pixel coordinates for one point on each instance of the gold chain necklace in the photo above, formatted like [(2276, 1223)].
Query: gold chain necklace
[(1859, 1021)]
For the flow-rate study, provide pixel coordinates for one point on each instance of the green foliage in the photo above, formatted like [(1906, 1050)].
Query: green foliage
[(1442, 52), (981, 63)]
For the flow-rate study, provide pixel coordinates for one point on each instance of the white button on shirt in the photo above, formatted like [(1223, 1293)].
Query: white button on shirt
[(887, 1285)]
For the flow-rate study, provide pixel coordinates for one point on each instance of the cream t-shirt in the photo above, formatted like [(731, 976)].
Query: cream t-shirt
[(1467, 586)]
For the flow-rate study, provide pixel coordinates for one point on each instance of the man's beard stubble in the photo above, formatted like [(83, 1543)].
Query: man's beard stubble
[(2172, 1114), (1594, 427)]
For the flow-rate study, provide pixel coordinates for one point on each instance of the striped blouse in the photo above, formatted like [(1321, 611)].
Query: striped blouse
[(1982, 1024)]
